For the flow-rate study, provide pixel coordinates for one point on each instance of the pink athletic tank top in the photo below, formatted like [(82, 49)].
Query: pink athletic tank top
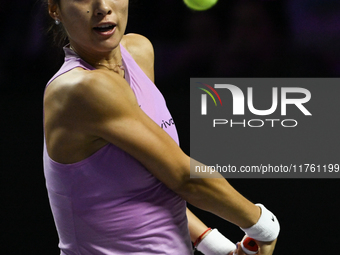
[(109, 203)]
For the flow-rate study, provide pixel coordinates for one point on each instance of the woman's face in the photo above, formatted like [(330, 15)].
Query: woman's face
[(92, 25)]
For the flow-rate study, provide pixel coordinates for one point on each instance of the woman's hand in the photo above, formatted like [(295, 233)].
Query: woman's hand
[(265, 248)]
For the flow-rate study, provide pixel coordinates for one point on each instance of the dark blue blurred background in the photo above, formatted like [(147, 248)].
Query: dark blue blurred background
[(296, 38)]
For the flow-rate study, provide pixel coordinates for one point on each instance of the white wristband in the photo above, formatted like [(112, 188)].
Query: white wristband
[(215, 244), (266, 229)]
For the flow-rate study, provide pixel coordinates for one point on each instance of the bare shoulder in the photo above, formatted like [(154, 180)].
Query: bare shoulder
[(142, 51), (80, 94), (138, 45), (78, 105)]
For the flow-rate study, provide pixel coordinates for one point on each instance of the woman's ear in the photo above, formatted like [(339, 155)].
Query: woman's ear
[(53, 10)]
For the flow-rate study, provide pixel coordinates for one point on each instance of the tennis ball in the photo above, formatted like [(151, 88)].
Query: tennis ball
[(200, 5)]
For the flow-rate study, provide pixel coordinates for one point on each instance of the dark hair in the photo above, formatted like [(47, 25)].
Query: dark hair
[(57, 31)]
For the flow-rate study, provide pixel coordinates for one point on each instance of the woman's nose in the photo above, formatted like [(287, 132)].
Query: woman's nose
[(103, 8)]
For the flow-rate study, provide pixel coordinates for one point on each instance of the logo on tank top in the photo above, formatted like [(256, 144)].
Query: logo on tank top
[(166, 124)]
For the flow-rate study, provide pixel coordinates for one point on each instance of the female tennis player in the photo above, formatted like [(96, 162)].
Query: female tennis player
[(117, 181)]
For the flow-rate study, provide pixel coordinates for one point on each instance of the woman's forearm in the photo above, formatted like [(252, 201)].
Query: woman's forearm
[(217, 196), (196, 226)]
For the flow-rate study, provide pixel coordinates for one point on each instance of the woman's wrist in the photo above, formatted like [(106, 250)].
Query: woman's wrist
[(201, 237), (267, 227), (214, 243)]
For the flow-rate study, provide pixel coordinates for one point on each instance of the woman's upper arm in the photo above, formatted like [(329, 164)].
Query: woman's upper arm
[(105, 106)]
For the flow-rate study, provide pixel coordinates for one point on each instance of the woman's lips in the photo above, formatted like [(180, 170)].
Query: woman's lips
[(105, 29)]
